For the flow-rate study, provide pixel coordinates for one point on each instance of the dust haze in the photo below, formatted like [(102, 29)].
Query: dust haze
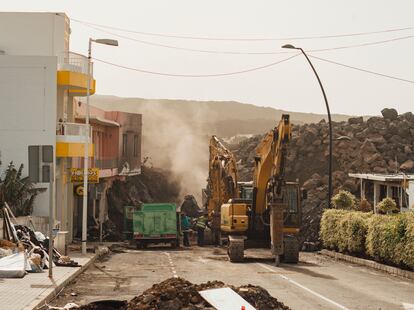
[(176, 133)]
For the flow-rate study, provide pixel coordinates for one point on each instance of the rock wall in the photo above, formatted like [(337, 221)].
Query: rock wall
[(379, 145)]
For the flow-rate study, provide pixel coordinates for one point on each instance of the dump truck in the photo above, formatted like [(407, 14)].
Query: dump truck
[(155, 223)]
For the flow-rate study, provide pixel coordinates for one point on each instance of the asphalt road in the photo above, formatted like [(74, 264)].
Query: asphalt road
[(317, 282)]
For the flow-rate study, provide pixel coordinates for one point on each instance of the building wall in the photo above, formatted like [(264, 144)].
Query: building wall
[(131, 126), (37, 34), (28, 111)]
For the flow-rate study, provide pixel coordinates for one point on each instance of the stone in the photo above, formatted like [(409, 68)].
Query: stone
[(356, 120), (368, 147), (389, 113), (407, 165), (372, 158)]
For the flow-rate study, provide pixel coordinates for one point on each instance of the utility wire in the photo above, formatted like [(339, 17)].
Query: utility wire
[(248, 53), (363, 70), (246, 39), (197, 75)]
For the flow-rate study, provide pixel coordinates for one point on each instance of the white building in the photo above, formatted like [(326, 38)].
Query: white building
[(39, 78), (375, 187)]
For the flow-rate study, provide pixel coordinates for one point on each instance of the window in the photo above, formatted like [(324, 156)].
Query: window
[(124, 144), (136, 146)]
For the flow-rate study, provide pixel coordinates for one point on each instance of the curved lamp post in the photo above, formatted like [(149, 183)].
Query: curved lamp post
[(329, 119), (87, 137)]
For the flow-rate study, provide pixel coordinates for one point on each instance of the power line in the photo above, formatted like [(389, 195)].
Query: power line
[(362, 44), (248, 53), (246, 39), (197, 75), (363, 70), (184, 48)]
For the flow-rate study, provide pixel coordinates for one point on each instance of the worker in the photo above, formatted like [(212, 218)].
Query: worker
[(201, 224), (185, 226)]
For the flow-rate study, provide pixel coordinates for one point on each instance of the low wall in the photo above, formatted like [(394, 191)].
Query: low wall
[(41, 223)]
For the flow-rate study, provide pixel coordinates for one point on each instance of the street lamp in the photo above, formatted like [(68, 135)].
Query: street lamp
[(87, 136), (290, 46)]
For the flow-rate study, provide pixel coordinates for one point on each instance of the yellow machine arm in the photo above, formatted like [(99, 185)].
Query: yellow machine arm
[(269, 165), (222, 176)]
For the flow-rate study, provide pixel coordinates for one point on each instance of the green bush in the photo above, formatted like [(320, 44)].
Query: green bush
[(408, 256), (329, 228), (387, 206), (344, 200), (352, 231), (364, 206), (385, 238)]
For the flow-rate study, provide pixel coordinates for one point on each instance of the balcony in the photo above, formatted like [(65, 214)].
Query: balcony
[(70, 140), (73, 74)]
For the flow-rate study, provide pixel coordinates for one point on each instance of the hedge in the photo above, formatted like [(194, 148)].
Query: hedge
[(385, 238)]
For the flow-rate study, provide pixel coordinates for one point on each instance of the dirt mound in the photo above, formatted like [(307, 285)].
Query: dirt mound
[(177, 293), (378, 145)]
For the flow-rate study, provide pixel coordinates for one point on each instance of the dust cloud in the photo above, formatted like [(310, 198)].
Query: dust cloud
[(178, 143)]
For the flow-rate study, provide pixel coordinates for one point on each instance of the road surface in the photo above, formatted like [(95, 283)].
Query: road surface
[(317, 282)]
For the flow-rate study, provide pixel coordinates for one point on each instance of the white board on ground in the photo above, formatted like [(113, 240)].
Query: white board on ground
[(13, 266), (225, 299)]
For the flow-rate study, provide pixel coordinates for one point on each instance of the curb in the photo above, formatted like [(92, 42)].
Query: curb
[(56, 290), (370, 264)]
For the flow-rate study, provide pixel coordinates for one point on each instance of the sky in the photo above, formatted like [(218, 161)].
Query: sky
[(289, 85)]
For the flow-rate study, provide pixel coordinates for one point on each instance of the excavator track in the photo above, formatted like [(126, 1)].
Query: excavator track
[(235, 249), (291, 249)]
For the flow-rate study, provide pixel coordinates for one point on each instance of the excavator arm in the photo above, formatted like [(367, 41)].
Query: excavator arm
[(270, 158), (222, 180)]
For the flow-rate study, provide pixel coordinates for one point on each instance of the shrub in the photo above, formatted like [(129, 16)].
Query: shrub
[(329, 228), (386, 238), (352, 232), (387, 206), (343, 200), (364, 206), (408, 256)]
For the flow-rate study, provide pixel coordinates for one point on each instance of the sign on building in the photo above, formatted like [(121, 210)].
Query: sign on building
[(76, 175)]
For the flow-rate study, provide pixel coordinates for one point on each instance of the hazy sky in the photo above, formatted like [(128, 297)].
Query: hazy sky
[(290, 85)]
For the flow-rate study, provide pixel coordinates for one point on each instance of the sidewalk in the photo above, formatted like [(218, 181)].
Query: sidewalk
[(34, 289)]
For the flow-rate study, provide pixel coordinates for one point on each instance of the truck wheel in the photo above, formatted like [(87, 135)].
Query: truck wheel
[(291, 249), (174, 244), (140, 245)]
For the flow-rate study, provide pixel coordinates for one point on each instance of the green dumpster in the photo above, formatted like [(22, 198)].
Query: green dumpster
[(156, 223)]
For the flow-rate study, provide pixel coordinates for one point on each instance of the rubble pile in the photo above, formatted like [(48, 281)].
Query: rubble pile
[(177, 294), (378, 145), (152, 185)]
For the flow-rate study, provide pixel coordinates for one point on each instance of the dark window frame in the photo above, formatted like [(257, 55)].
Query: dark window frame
[(124, 144)]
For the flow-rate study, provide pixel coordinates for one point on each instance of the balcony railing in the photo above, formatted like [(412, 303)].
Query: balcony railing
[(69, 61), (73, 132)]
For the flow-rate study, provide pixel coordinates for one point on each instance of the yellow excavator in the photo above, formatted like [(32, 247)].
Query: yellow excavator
[(221, 183), (268, 211)]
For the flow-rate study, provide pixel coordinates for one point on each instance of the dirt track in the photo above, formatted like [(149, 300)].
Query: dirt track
[(317, 282)]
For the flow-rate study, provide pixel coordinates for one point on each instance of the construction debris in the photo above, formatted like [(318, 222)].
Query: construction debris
[(379, 144), (25, 250), (177, 294)]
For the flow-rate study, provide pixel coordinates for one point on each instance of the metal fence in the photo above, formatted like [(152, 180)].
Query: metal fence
[(73, 62)]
